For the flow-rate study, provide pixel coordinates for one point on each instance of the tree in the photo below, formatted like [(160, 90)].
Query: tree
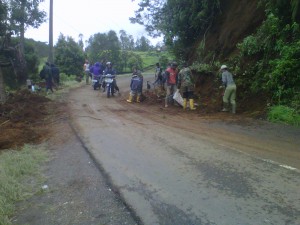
[(24, 14), (143, 44), (105, 46), (80, 42), (69, 56), (124, 39), (181, 22), (3, 28)]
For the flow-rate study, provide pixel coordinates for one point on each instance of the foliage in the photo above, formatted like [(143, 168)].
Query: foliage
[(130, 59), (12, 80), (3, 16), (135, 60), (284, 114), (269, 59), (69, 57), (142, 44), (127, 41), (25, 14), (181, 22), (42, 48), (32, 61), (15, 168), (104, 47)]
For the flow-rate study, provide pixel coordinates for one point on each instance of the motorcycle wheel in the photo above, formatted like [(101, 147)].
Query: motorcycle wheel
[(108, 91)]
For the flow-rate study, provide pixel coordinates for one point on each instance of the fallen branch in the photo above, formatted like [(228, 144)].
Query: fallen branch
[(4, 122)]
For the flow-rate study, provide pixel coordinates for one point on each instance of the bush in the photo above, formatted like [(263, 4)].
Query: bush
[(284, 114)]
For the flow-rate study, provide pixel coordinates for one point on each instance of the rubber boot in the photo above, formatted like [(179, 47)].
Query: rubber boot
[(192, 107), (225, 109), (184, 103), (129, 99), (138, 99), (233, 109)]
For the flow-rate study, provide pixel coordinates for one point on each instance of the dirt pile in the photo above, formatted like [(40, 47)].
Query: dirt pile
[(24, 119)]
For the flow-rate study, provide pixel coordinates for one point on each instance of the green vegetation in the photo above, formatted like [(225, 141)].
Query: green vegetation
[(69, 56), (20, 177), (284, 114)]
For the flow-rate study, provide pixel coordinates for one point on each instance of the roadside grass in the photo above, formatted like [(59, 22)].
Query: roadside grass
[(20, 177), (284, 114)]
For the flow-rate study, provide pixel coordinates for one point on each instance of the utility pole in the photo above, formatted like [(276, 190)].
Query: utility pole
[(50, 57)]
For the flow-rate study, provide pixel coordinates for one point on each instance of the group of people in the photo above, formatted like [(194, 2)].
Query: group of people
[(96, 72), (51, 74), (183, 80), (171, 79)]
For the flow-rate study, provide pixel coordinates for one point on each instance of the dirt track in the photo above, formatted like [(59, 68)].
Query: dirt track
[(167, 166)]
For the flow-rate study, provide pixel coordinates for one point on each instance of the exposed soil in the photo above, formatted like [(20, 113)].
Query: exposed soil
[(25, 118), (78, 192)]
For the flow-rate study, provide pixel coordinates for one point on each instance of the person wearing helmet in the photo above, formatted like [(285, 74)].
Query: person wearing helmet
[(109, 70), (186, 86), (171, 80), (230, 90), (136, 85)]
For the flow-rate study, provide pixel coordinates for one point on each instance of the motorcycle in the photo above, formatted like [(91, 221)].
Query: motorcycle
[(109, 82), (96, 82)]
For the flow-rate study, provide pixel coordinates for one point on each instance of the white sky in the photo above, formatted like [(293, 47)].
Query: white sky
[(88, 17)]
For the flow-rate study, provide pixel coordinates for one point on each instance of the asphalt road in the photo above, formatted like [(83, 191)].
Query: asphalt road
[(175, 167)]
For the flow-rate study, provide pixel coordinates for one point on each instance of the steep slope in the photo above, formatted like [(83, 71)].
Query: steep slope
[(237, 19)]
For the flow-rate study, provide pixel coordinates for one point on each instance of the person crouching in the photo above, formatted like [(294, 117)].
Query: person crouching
[(136, 86)]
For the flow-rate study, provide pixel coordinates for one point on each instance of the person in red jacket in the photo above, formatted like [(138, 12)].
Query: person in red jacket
[(171, 74)]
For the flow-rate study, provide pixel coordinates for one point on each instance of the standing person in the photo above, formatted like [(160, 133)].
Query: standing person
[(157, 70), (55, 74), (186, 85), (86, 69), (136, 85), (158, 75), (96, 71), (110, 70), (171, 80), (48, 77), (230, 90)]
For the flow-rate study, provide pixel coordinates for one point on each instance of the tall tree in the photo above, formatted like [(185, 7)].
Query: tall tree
[(3, 30), (104, 46), (124, 39), (24, 14), (69, 56), (143, 44)]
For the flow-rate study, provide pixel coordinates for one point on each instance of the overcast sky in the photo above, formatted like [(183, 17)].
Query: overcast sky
[(88, 17)]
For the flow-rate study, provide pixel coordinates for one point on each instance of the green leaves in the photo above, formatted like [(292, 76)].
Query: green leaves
[(69, 56)]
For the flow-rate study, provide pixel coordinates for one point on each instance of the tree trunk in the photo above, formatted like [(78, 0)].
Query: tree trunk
[(2, 88)]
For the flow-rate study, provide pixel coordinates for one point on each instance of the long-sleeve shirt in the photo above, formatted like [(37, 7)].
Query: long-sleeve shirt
[(227, 78)]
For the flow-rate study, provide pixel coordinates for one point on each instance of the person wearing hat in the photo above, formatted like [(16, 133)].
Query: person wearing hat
[(171, 74), (186, 86), (230, 90), (136, 86)]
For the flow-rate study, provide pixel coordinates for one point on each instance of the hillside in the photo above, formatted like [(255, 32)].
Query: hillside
[(237, 19)]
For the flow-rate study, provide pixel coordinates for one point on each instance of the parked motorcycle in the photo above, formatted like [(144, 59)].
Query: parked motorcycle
[(109, 82)]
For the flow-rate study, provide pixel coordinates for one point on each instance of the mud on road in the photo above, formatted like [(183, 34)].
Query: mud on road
[(85, 180)]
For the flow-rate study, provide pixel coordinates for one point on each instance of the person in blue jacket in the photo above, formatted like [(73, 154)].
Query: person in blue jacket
[(110, 70), (96, 71), (136, 86)]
